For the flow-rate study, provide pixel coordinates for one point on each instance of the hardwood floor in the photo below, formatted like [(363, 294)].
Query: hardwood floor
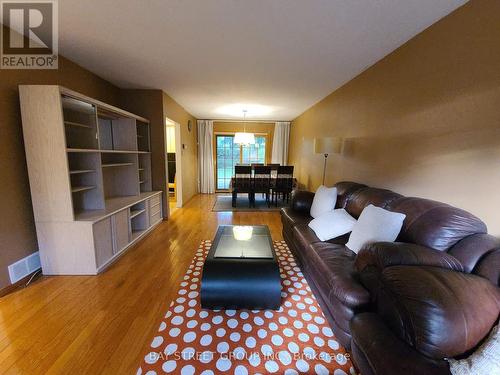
[(103, 324)]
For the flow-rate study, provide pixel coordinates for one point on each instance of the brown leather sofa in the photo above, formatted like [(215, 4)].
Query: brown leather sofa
[(434, 234)]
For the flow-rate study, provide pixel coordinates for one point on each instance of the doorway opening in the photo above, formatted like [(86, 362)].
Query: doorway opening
[(173, 164)]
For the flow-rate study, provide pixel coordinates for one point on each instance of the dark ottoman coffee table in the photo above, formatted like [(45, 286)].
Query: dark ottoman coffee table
[(241, 270)]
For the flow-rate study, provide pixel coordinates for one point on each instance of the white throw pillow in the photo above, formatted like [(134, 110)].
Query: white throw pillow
[(484, 361), (375, 225), (324, 201), (332, 224)]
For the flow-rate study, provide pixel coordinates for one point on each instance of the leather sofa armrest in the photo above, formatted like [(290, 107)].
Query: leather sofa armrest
[(386, 254), (376, 350), (302, 201)]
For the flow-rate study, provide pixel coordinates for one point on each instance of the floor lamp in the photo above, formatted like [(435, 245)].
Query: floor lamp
[(326, 146)]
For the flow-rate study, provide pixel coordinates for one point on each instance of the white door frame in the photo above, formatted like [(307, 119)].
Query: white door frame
[(178, 160)]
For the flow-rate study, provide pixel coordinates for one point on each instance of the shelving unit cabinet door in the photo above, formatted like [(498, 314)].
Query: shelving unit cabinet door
[(143, 142), (79, 123), (103, 241), (121, 230), (124, 134)]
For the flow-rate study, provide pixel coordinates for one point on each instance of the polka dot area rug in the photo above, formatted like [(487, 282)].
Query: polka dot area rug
[(294, 339)]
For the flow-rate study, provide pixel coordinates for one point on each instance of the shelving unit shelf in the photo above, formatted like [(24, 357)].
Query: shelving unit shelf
[(116, 165), (71, 123), (86, 150), (134, 213), (76, 189), (89, 165), (79, 171)]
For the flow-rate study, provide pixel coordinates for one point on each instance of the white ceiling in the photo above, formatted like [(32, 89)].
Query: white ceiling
[(281, 56)]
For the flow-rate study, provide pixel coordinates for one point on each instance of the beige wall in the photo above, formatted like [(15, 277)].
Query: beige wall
[(17, 229), (424, 121), (177, 113), (251, 127)]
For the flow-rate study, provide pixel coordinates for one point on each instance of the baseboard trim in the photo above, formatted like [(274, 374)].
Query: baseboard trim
[(17, 285)]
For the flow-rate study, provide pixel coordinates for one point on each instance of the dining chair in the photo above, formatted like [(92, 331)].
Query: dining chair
[(284, 183), (253, 165), (262, 182), (242, 183), (274, 169)]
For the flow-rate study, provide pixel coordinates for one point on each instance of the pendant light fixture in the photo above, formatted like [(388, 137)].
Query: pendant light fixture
[(244, 138)]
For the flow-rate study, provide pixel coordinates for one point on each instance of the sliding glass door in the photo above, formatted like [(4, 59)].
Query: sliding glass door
[(228, 154), (254, 153)]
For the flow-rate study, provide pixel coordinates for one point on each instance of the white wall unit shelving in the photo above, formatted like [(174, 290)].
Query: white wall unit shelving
[(89, 166)]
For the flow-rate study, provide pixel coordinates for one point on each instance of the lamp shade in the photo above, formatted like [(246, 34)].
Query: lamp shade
[(328, 145), (244, 138)]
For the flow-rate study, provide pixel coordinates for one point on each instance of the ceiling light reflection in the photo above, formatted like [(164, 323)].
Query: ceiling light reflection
[(252, 110)]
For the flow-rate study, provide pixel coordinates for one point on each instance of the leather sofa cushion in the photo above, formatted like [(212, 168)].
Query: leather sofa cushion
[(342, 314), (380, 255), (333, 267), (331, 308), (342, 240), (341, 335), (441, 313), (366, 196), (489, 267), (472, 249), (434, 224), (376, 350), (344, 191), (292, 218), (304, 236)]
